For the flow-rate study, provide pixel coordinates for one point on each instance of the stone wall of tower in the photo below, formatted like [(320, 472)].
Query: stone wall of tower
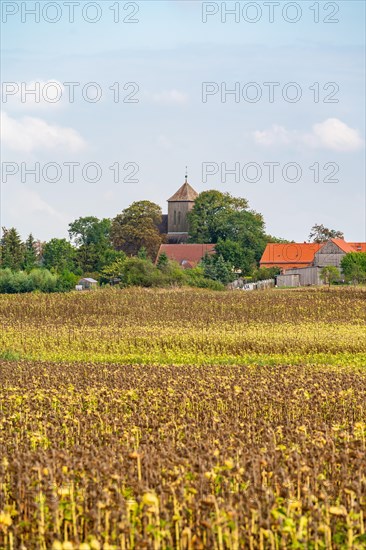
[(177, 216)]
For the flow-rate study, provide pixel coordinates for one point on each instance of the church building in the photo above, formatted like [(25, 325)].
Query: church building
[(175, 227), (179, 205)]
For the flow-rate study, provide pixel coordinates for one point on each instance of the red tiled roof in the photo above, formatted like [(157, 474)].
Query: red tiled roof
[(184, 193), (289, 254), (187, 255), (358, 247), (341, 243), (292, 255)]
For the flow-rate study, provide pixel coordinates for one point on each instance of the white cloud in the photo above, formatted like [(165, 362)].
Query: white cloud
[(28, 203), (35, 94), (167, 97), (29, 133), (336, 135), (276, 135), (332, 134)]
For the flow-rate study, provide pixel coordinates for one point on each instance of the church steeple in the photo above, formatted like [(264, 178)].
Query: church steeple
[(184, 193), (178, 207)]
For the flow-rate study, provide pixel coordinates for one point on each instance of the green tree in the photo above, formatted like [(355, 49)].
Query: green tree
[(113, 271), (137, 227), (59, 255), (236, 255), (12, 249), (321, 234), (66, 281), (222, 270), (139, 272), (217, 269), (142, 253), (212, 216), (329, 274), (239, 232), (354, 267), (30, 254), (91, 236), (163, 261)]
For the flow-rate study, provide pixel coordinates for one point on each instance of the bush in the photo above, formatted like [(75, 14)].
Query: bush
[(171, 273), (5, 280), (67, 281), (140, 272), (354, 267), (37, 280), (14, 282), (21, 282), (263, 273), (43, 280), (195, 277), (132, 272)]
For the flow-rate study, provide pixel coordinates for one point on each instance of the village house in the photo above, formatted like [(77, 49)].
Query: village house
[(301, 263)]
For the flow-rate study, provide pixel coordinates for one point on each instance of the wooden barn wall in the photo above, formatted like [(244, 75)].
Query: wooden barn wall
[(329, 254), (288, 280), (308, 275)]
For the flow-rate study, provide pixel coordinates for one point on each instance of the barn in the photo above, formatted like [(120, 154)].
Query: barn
[(301, 263)]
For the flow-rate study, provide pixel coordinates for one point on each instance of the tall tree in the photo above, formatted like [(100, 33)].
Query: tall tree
[(137, 227), (92, 239), (212, 216), (239, 232), (237, 255), (217, 269), (321, 234), (30, 253), (12, 249), (59, 255)]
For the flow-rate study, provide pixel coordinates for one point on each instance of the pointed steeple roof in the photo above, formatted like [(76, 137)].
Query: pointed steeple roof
[(184, 193)]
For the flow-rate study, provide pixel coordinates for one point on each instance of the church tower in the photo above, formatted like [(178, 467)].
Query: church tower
[(178, 207)]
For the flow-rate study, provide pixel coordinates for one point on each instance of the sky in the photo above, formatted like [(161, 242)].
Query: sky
[(106, 103)]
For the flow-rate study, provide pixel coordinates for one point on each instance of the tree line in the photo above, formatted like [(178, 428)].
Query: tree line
[(123, 250)]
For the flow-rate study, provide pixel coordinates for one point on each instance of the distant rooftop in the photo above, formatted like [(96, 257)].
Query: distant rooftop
[(187, 255)]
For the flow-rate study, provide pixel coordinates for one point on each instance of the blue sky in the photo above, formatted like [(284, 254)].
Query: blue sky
[(169, 54)]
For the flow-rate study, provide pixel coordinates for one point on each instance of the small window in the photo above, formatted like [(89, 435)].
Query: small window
[(175, 217), (179, 218)]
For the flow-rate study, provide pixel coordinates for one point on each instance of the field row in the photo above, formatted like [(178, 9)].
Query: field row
[(138, 457), (187, 327)]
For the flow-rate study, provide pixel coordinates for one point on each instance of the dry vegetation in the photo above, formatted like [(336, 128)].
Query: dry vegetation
[(228, 435), (154, 327)]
